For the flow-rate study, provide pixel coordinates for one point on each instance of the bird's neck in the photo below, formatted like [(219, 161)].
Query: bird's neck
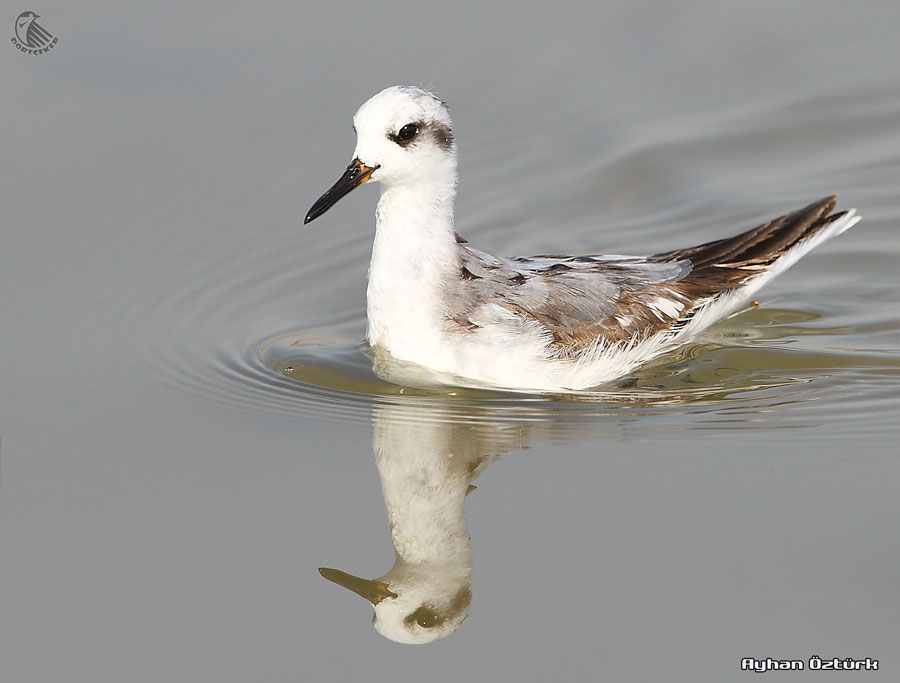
[(414, 254)]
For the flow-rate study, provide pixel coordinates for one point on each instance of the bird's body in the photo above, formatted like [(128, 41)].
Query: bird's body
[(544, 323)]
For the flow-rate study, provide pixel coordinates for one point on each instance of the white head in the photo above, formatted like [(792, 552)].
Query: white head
[(404, 137)]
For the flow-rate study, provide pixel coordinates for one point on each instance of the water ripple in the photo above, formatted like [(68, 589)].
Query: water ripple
[(273, 326)]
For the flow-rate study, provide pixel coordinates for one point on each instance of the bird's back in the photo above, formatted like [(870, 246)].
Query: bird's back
[(589, 309)]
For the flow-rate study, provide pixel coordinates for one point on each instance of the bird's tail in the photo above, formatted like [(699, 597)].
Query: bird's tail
[(727, 272), (792, 235)]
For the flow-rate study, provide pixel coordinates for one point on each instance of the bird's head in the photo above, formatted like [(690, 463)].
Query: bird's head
[(404, 136)]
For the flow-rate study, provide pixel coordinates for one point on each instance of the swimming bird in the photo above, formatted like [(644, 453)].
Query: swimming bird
[(540, 323)]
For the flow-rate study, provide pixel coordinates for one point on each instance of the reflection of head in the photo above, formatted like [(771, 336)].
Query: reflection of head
[(426, 462), (423, 609), (426, 623)]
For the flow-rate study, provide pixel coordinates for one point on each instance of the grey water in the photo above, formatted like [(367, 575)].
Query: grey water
[(190, 428)]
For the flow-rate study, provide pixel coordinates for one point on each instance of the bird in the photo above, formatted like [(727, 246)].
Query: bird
[(538, 324)]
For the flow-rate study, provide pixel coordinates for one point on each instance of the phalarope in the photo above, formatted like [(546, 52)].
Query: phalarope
[(541, 323)]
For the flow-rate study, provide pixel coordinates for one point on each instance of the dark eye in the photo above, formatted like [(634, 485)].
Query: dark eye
[(408, 132), (424, 617)]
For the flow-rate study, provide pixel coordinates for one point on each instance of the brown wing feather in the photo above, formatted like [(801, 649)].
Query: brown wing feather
[(726, 264), (761, 245)]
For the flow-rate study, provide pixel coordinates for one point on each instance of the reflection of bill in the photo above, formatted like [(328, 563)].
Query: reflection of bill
[(427, 463)]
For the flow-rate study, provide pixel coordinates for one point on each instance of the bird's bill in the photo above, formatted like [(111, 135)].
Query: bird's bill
[(371, 590), (356, 174)]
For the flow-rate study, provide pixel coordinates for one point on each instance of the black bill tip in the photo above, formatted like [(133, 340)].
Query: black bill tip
[(356, 174)]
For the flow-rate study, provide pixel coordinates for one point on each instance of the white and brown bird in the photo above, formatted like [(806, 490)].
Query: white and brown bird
[(541, 323)]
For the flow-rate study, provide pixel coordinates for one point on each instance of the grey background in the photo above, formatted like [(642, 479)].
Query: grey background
[(165, 499)]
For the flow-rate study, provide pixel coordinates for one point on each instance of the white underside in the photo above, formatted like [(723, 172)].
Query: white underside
[(509, 352)]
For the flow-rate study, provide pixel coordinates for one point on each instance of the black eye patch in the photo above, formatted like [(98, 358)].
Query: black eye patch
[(406, 134)]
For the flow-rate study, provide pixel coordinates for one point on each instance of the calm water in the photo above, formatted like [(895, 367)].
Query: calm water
[(190, 427)]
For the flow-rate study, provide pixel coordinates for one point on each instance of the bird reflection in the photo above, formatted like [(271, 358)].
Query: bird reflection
[(429, 450), (427, 462)]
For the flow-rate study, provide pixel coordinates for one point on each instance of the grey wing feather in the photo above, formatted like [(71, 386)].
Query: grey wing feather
[(581, 300), (576, 299)]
